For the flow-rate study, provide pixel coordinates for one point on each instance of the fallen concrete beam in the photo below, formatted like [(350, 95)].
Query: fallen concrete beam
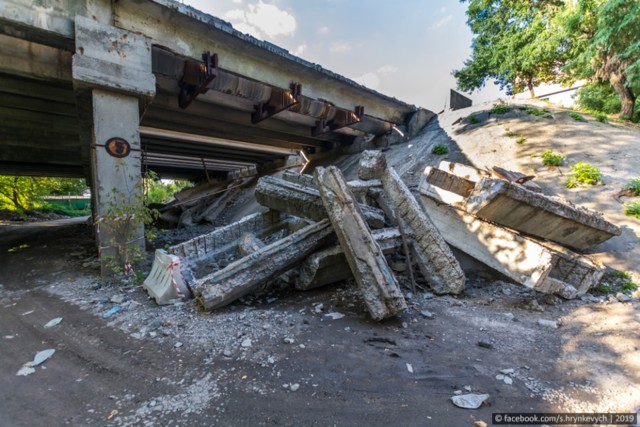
[(356, 185), (524, 260), (434, 258), (248, 273), (303, 201), (512, 205), (224, 240), (330, 265), (368, 265), (372, 165)]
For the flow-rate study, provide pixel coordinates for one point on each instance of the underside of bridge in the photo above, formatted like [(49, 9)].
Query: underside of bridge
[(106, 90)]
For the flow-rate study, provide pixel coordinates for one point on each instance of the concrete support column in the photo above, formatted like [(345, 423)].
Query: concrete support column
[(112, 77), (116, 172)]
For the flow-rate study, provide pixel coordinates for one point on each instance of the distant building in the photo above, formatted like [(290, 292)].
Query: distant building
[(554, 93)]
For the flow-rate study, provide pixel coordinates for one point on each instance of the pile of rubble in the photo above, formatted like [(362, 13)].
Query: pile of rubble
[(322, 229)]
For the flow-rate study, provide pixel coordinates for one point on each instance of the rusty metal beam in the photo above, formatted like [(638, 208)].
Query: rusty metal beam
[(196, 78), (279, 101), (342, 118)]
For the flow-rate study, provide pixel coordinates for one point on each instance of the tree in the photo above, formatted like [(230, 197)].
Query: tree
[(507, 46), (603, 44), (524, 43), (25, 192)]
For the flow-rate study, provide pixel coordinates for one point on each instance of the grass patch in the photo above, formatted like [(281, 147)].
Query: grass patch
[(614, 282), (65, 210), (632, 209), (521, 140), (576, 116), (500, 109), (633, 185), (549, 158), (583, 174), (538, 112), (474, 120), (440, 149)]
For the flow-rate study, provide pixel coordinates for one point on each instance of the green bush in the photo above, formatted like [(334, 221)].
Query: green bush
[(440, 149), (521, 140), (576, 116), (500, 109), (634, 185), (583, 173), (550, 158), (602, 118), (632, 209), (510, 134), (599, 97)]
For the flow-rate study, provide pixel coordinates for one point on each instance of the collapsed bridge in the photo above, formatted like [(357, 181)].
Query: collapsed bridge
[(106, 90)]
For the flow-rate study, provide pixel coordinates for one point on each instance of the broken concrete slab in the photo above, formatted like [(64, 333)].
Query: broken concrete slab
[(303, 201), (533, 213), (246, 274), (356, 185), (368, 265), (330, 265), (432, 254), (224, 240), (524, 260)]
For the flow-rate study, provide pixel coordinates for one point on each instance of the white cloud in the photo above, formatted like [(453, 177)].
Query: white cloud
[(340, 47), (300, 50), (373, 79), (237, 1), (370, 80), (323, 30), (441, 22), (262, 20)]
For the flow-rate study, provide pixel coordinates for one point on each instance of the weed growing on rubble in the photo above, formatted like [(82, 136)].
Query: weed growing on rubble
[(521, 140), (633, 185), (440, 149), (632, 209), (500, 109), (583, 174), (614, 282), (473, 120), (549, 158), (119, 222)]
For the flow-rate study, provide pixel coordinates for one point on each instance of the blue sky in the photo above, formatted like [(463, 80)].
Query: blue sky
[(402, 48)]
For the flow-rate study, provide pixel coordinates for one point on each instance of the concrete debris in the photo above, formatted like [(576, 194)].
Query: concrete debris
[(372, 165), (373, 275), (469, 401), (547, 267), (548, 323), (514, 206), (318, 231), (53, 322)]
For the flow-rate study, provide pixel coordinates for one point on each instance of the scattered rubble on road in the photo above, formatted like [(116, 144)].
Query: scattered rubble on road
[(322, 229)]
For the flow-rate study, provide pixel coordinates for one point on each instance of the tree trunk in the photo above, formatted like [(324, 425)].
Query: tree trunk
[(532, 93), (627, 98), (16, 194)]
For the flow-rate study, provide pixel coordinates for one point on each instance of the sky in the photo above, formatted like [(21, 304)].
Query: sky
[(402, 48)]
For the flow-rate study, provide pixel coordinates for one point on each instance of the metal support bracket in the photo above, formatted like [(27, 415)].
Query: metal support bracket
[(196, 77), (342, 118), (279, 101)]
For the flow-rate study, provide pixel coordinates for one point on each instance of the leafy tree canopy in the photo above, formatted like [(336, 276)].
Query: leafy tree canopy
[(523, 43), (23, 192)]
